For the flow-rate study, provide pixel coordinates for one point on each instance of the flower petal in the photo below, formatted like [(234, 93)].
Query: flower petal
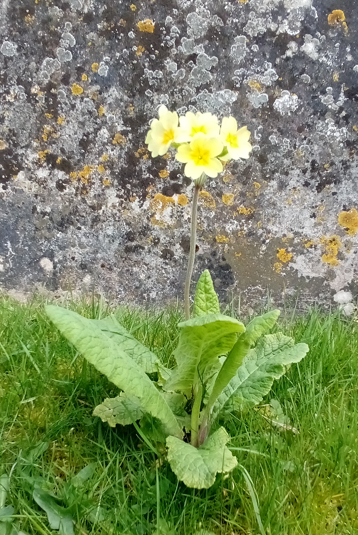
[(193, 171), (214, 168), (242, 152), (184, 153), (243, 134), (215, 146)]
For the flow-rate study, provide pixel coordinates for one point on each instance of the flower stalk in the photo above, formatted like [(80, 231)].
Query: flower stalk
[(191, 259)]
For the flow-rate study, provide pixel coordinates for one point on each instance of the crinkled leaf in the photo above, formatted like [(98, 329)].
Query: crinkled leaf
[(58, 517), (127, 343), (202, 340), (153, 428), (261, 366), (123, 409), (206, 301), (254, 330), (101, 351), (163, 374), (197, 467)]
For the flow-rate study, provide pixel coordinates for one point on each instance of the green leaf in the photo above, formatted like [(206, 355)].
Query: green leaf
[(83, 475), (6, 513), (153, 428), (197, 467), (206, 301), (123, 409), (254, 330), (127, 343), (4, 488), (261, 366), (201, 341), (59, 518), (101, 351)]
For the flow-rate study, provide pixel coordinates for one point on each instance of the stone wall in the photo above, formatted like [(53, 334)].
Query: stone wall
[(82, 203)]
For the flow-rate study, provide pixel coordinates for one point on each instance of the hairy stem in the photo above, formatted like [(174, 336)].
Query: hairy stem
[(192, 251), (195, 416)]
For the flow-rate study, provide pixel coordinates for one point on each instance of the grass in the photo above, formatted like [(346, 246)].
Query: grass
[(294, 483)]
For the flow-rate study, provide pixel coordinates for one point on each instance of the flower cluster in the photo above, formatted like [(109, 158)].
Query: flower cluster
[(201, 143)]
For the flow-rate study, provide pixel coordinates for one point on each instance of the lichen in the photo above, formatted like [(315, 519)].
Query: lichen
[(77, 89), (332, 246), (349, 220), (283, 255), (118, 139), (228, 199), (207, 199), (95, 67), (164, 173), (336, 17), (245, 211), (146, 25), (222, 239), (182, 199), (140, 50)]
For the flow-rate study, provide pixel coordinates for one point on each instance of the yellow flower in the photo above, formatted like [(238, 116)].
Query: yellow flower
[(191, 124), (200, 156), (236, 141), (163, 132)]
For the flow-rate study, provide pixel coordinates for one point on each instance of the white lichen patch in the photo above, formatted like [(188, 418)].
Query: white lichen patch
[(286, 103), (8, 49), (311, 47)]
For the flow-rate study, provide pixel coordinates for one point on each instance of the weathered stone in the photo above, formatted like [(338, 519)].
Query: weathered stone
[(82, 203)]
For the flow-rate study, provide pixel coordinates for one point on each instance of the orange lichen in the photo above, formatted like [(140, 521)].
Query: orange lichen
[(309, 244), (101, 111), (73, 176), (84, 77), (336, 76), (42, 155), (332, 246), (349, 220), (283, 255), (257, 185), (164, 173), (228, 199), (29, 19), (182, 200), (277, 267), (59, 159), (3, 145), (49, 115), (207, 199), (146, 25), (106, 182), (243, 1), (245, 211), (95, 67), (85, 173), (337, 16), (255, 85), (142, 152), (61, 120), (101, 169), (222, 239), (104, 158), (77, 89), (133, 7), (118, 139), (140, 50), (355, 128), (227, 178), (160, 202)]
